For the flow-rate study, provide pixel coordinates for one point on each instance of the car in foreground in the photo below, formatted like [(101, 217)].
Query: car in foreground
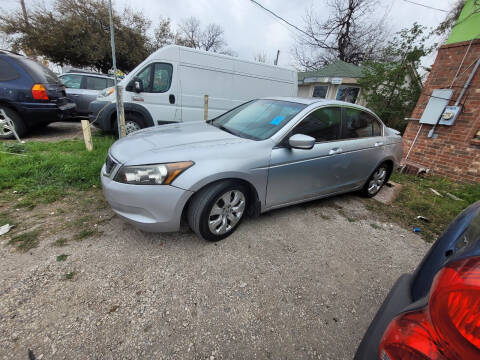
[(434, 313), (262, 155), (83, 88), (31, 95)]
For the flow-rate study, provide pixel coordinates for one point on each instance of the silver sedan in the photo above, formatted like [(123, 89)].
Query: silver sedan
[(262, 155)]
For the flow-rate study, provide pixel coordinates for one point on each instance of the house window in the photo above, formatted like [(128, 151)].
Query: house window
[(320, 91), (348, 93)]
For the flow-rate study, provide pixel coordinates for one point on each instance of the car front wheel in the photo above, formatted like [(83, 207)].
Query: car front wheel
[(5, 131), (216, 211)]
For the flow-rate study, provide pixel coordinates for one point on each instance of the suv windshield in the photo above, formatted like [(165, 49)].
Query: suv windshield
[(39, 73), (258, 119)]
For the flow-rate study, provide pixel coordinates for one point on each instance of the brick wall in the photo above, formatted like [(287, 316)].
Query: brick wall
[(455, 154)]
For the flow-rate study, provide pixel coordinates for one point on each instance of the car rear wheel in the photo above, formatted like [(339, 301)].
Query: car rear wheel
[(216, 211), (376, 181), (20, 128)]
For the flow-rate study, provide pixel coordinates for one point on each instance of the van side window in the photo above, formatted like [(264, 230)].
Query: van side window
[(323, 124), (356, 124), (162, 77), (146, 76)]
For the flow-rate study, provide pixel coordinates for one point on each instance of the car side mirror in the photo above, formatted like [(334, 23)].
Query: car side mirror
[(300, 141), (135, 85)]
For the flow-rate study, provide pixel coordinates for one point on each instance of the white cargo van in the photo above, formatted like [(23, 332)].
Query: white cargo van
[(170, 85)]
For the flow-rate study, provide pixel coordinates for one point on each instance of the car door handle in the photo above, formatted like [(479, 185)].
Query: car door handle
[(171, 99), (379, 143), (334, 151)]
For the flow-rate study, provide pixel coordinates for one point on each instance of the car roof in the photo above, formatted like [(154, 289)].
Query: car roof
[(88, 74), (310, 101)]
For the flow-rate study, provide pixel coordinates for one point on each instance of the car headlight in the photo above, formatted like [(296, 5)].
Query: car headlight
[(158, 174), (106, 92)]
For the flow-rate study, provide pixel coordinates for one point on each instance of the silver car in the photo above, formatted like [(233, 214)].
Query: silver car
[(262, 155)]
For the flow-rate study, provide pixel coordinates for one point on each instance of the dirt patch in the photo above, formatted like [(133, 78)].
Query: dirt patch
[(297, 283), (57, 131)]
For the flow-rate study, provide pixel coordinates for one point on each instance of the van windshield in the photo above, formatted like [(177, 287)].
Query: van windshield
[(258, 119)]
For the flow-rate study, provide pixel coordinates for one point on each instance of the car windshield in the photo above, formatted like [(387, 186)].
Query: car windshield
[(258, 119)]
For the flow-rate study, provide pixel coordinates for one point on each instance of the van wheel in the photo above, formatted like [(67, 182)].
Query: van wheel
[(18, 123), (376, 181), (216, 211), (133, 122)]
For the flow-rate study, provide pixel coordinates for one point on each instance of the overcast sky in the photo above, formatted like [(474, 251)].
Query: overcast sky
[(249, 29)]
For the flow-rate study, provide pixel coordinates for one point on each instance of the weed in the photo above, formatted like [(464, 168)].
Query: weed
[(375, 226), (70, 275), (25, 241), (85, 233), (62, 257), (351, 219), (60, 242)]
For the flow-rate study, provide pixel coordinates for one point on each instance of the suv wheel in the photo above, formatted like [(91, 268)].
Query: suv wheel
[(20, 127), (215, 212)]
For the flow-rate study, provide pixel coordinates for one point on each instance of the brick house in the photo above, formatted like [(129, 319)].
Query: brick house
[(452, 150)]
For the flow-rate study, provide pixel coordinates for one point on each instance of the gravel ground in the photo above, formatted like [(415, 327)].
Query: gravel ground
[(62, 130), (298, 283)]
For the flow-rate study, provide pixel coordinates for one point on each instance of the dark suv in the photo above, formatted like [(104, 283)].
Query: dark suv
[(31, 95)]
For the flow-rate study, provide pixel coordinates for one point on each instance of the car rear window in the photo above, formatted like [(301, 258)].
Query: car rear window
[(38, 72), (7, 71)]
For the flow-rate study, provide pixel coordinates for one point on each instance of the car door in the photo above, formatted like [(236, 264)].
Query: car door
[(159, 92), (295, 174), (73, 85), (363, 146), (91, 87)]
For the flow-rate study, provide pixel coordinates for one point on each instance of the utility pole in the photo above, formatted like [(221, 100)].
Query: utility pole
[(276, 59), (118, 92), (24, 10)]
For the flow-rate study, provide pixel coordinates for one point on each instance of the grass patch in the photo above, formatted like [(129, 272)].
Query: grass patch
[(85, 233), (5, 218), (70, 275), (51, 169), (60, 242), (26, 241), (375, 226), (416, 199), (62, 257)]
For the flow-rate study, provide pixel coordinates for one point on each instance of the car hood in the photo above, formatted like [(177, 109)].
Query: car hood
[(148, 145)]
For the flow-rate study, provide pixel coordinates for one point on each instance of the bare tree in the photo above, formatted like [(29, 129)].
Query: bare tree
[(162, 34), (191, 34), (260, 56), (349, 34)]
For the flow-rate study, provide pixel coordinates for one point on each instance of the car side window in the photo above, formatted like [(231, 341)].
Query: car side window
[(71, 81), (7, 71), (323, 124), (377, 128), (96, 83), (110, 82), (162, 77), (356, 124)]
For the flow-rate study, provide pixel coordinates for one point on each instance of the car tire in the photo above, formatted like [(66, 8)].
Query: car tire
[(133, 122), (216, 211), (19, 124), (376, 181)]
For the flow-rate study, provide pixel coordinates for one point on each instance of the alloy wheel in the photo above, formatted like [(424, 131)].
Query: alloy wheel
[(377, 180), (226, 212)]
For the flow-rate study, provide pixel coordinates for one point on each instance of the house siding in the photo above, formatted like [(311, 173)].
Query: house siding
[(455, 153)]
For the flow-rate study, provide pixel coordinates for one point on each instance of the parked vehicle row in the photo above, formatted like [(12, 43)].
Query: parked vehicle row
[(170, 85)]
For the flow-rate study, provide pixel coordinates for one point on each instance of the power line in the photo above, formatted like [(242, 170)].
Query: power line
[(281, 18), (426, 6)]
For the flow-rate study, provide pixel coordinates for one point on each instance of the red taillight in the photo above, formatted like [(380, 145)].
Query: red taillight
[(449, 327), (39, 92)]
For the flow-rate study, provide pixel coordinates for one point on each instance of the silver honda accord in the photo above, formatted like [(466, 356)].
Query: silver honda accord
[(259, 156)]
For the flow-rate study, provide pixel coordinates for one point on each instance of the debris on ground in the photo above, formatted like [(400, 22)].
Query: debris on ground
[(416, 229), (5, 228), (451, 196), (435, 192), (423, 218)]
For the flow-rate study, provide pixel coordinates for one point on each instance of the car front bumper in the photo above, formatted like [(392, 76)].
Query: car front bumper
[(153, 208), (398, 299)]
